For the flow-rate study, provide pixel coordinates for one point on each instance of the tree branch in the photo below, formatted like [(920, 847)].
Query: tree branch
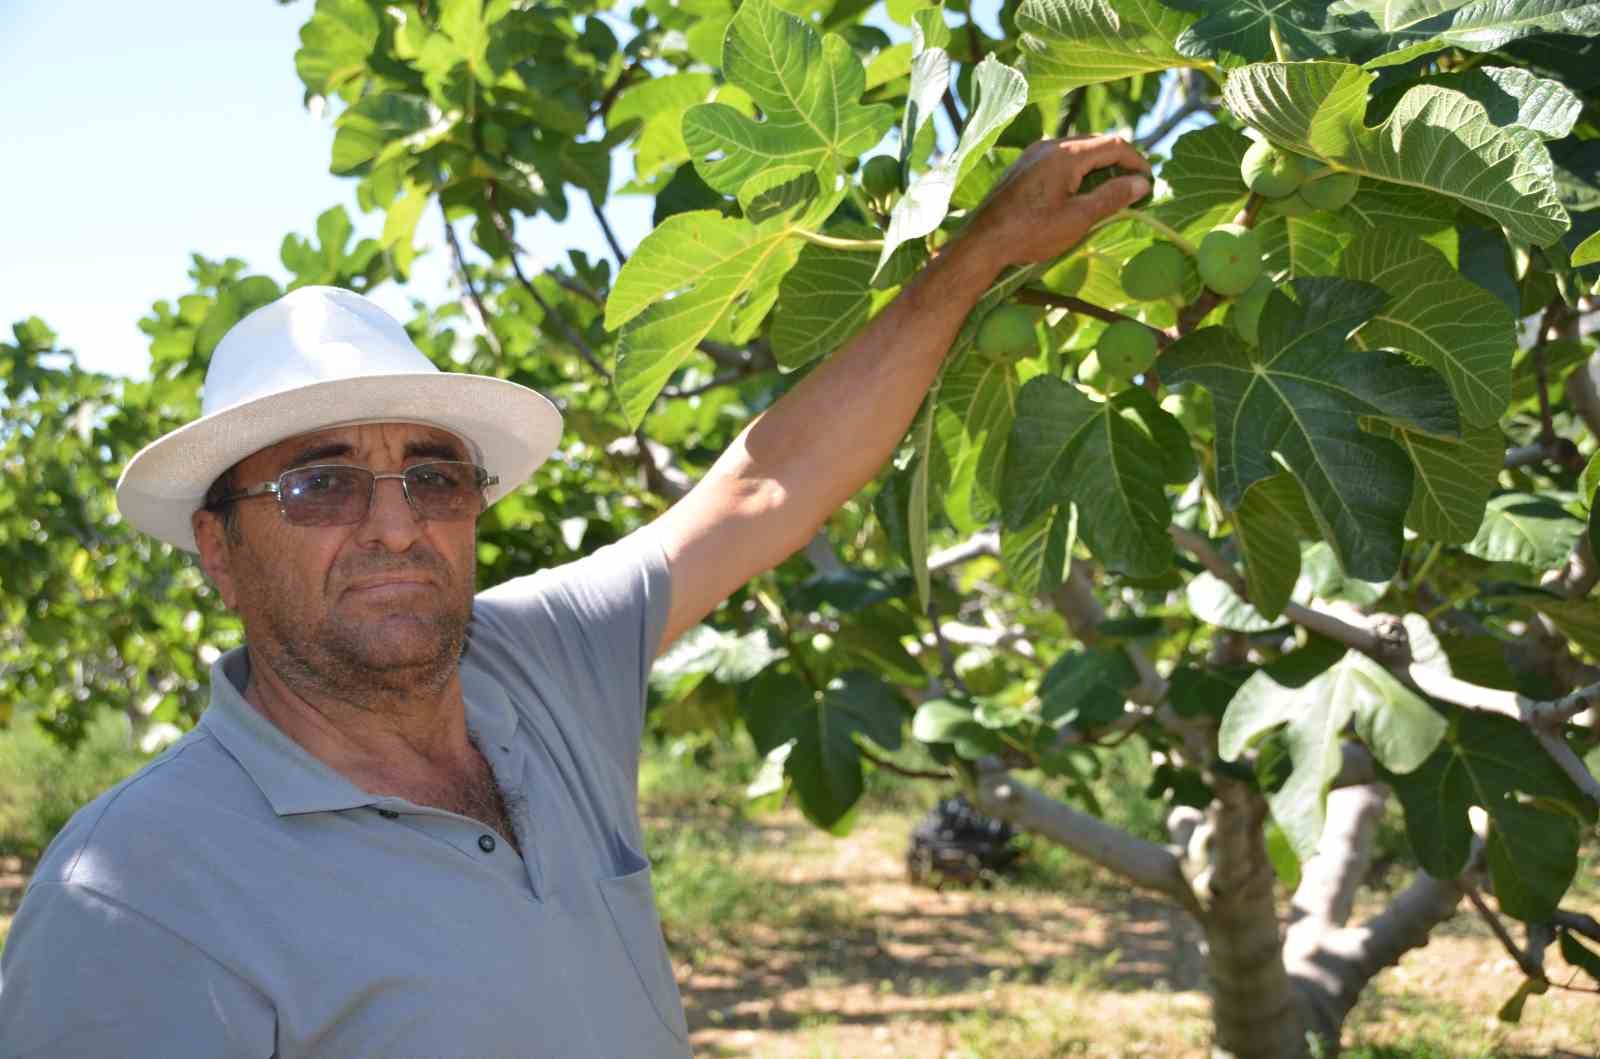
[(1547, 325), (1074, 599), (1031, 296), (1141, 862), (1556, 450), (1330, 879), (572, 286), (951, 111), (605, 229), (1528, 966), (459, 261), (757, 356), (1191, 105), (573, 338), (1330, 975), (1317, 621), (984, 542)]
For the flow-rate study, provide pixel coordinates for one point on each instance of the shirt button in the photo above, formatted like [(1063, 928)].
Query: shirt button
[(388, 814), (486, 843)]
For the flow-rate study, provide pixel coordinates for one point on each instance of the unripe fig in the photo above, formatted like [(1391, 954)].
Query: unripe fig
[(1331, 192), (1095, 177), (1230, 258), (1157, 271), (1007, 332), (1290, 206), (1269, 172), (1126, 348), (880, 176), (1093, 374), (1245, 315)]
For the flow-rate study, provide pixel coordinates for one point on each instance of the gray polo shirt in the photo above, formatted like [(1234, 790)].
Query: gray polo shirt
[(239, 898)]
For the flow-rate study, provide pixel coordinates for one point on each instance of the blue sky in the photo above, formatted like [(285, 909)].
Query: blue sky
[(135, 134)]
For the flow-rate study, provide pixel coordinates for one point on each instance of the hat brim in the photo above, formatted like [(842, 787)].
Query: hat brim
[(515, 429)]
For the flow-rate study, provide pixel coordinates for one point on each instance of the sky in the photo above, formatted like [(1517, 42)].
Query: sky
[(133, 135)]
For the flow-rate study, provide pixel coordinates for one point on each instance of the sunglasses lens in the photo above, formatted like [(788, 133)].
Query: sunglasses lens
[(445, 491), (339, 496), (325, 496)]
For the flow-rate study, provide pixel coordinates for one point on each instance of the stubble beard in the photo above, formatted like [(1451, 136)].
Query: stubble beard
[(368, 662)]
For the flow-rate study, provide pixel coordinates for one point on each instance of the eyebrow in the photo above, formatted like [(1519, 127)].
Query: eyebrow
[(324, 451), (434, 450)]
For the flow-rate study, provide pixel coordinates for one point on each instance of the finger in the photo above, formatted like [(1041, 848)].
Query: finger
[(1093, 152), (1115, 194)]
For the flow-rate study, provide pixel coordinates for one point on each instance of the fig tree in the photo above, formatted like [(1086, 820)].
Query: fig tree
[(1126, 348), (1229, 258), (880, 176), (1157, 271), (1331, 192), (1269, 172), (1006, 332)]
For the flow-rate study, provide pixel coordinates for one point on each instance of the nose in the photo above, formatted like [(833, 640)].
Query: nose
[(391, 522)]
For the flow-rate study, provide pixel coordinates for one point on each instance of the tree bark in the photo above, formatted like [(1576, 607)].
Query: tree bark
[(1253, 1004), (1323, 902), (1330, 972)]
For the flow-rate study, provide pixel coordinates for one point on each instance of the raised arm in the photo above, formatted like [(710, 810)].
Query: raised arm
[(795, 464)]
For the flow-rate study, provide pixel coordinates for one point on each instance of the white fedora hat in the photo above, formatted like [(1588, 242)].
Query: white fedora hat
[(316, 358)]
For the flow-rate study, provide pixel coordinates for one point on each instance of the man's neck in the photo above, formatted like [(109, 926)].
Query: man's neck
[(385, 743)]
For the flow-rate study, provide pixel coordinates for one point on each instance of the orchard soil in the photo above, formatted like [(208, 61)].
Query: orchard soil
[(1063, 962)]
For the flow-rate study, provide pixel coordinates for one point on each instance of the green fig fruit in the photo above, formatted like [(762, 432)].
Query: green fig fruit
[(1245, 314), (1269, 172), (1092, 373), (1126, 348), (1289, 206), (1331, 192), (1007, 332), (880, 176), (1229, 258), (1095, 177), (1156, 272)]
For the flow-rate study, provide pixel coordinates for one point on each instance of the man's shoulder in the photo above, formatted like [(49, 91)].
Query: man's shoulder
[(192, 787)]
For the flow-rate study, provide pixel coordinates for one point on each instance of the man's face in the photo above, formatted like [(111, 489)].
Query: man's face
[(383, 603)]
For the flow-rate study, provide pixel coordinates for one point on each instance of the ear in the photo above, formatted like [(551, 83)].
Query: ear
[(211, 536)]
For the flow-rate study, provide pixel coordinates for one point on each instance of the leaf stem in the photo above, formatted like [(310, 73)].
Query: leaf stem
[(900, 770), (1427, 564), (1279, 51), (836, 243)]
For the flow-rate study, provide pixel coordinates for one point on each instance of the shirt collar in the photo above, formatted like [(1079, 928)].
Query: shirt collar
[(290, 777)]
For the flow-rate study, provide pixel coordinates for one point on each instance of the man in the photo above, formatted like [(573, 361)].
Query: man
[(406, 823)]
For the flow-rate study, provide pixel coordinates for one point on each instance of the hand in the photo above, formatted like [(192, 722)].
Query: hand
[(1035, 214)]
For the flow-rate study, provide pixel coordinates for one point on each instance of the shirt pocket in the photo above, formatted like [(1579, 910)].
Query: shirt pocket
[(631, 901)]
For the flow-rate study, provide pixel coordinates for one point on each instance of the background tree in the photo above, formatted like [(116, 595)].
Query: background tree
[(1282, 475)]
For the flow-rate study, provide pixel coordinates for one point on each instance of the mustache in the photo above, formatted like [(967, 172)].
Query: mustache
[(363, 566)]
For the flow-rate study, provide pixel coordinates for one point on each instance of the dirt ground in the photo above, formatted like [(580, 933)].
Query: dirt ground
[(1018, 973)]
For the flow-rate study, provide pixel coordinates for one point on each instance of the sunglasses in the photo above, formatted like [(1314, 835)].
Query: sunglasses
[(336, 495)]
